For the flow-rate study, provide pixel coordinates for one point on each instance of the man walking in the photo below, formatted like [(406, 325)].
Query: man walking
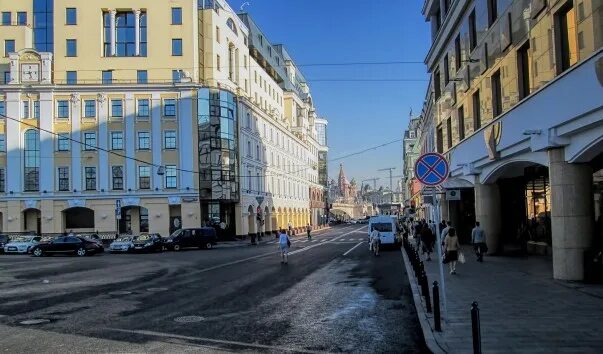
[(478, 238), (309, 231)]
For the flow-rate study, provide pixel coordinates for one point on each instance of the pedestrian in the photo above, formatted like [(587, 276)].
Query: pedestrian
[(290, 228), (375, 242), (284, 243), (428, 240), (452, 247), (309, 231), (445, 232), (478, 239), (418, 228), (374, 234), (432, 226)]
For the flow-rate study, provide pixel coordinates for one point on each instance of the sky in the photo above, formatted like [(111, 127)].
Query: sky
[(361, 114)]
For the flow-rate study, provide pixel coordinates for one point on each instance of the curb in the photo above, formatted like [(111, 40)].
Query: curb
[(430, 336)]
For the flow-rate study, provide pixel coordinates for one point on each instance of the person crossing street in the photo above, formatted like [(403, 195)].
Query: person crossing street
[(309, 231)]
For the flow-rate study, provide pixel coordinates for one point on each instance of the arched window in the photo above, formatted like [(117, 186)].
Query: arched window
[(230, 23), (31, 167)]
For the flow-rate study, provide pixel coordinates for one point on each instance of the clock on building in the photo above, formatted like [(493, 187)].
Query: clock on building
[(30, 72)]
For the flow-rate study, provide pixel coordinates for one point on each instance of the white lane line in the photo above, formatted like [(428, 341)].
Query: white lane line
[(323, 242), (211, 340), (353, 248)]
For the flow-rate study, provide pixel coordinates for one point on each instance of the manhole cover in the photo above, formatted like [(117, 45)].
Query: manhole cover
[(35, 321), (189, 319), (120, 293), (157, 289)]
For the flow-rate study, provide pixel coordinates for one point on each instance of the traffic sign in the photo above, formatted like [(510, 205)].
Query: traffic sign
[(431, 169)]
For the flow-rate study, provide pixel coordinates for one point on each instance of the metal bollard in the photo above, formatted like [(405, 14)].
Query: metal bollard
[(475, 329), (437, 319), (425, 290)]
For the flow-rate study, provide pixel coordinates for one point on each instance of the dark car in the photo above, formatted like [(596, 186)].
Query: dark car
[(148, 243), (4, 239), (203, 237), (77, 245)]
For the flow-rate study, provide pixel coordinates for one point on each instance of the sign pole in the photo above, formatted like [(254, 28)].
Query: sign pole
[(436, 212)]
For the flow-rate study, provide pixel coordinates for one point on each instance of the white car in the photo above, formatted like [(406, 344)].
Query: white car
[(21, 244), (122, 244)]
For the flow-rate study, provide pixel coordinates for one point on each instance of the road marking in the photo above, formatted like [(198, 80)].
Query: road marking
[(211, 340), (353, 248), (323, 242)]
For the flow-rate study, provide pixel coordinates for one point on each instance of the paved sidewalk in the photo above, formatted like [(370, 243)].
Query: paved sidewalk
[(522, 309)]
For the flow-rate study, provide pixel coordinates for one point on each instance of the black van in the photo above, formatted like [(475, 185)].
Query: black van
[(203, 237)]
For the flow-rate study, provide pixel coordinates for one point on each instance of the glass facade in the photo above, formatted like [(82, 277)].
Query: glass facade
[(218, 157), (43, 24), (31, 154)]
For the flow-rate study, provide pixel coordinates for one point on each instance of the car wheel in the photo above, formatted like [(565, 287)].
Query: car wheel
[(176, 248), (81, 251), (38, 252), (209, 245)]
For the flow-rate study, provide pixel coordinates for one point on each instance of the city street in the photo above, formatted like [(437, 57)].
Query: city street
[(333, 296)]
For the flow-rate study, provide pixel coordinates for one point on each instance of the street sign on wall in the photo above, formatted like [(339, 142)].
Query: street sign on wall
[(431, 169)]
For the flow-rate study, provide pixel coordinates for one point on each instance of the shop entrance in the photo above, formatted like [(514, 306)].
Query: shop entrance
[(134, 220)]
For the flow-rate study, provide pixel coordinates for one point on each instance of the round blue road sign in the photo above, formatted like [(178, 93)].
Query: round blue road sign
[(431, 169)]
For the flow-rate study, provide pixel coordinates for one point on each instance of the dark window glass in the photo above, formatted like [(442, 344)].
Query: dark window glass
[(449, 132), (169, 139), (176, 76), (457, 53), (107, 77), (117, 141), (176, 16), (71, 48), (2, 181), (524, 63), (89, 141), (36, 109), (89, 108), (125, 34), (117, 108), (31, 164), (496, 94), (446, 70), (177, 47), (144, 141), (565, 20), (70, 16), (117, 173), (90, 178), (3, 108), (144, 177), (169, 107), (142, 77), (461, 122), (43, 25), (472, 30), (492, 11), (106, 34), (21, 18), (143, 108), (63, 143), (170, 177), (440, 140), (71, 77), (437, 85), (6, 18), (6, 78), (63, 179), (9, 46), (143, 34), (63, 109)]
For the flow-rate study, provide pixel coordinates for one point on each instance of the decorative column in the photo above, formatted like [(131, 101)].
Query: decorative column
[(487, 212), (112, 27), (137, 30), (572, 215)]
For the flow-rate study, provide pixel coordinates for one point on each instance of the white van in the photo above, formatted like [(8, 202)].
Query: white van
[(387, 227)]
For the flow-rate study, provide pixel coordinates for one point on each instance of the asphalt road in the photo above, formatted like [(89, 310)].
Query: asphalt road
[(333, 296)]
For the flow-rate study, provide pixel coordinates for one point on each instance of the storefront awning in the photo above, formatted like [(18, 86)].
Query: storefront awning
[(456, 183)]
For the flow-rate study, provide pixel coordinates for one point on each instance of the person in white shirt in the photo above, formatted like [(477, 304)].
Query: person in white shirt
[(374, 242), (284, 243), (372, 235)]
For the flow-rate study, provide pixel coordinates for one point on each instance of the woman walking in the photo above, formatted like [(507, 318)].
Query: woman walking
[(284, 243), (452, 248)]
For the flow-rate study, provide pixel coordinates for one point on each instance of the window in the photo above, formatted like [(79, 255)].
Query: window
[(217, 34), (117, 109), (63, 142), (70, 16), (449, 132), (248, 121), (142, 77), (9, 46), (6, 77), (117, 173), (461, 122), (21, 18), (176, 15), (89, 108), (89, 141), (457, 53), (230, 23), (6, 18), (170, 177), (107, 52), (125, 34), (117, 140), (472, 31), (218, 62), (143, 34), (144, 177), (169, 139), (2, 142), (477, 111), (90, 173), (565, 20), (176, 76), (63, 173), (2, 181), (63, 109), (144, 141), (176, 47), (437, 85), (143, 107), (524, 63), (71, 46), (71, 77), (492, 11), (446, 70), (257, 153), (249, 148), (107, 77), (31, 166), (169, 107), (25, 109), (36, 109), (496, 94)]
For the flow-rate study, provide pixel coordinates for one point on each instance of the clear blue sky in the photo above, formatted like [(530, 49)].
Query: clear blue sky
[(360, 114)]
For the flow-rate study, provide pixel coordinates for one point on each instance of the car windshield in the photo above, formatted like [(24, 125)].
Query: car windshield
[(144, 237), (176, 233), (382, 227), (123, 239), (22, 239)]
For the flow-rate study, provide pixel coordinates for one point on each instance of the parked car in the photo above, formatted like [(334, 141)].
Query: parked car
[(21, 244), (122, 244), (4, 239), (148, 243), (77, 245), (96, 238), (203, 237)]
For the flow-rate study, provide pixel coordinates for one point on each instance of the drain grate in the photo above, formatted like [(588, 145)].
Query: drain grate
[(120, 293), (35, 321), (189, 319)]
